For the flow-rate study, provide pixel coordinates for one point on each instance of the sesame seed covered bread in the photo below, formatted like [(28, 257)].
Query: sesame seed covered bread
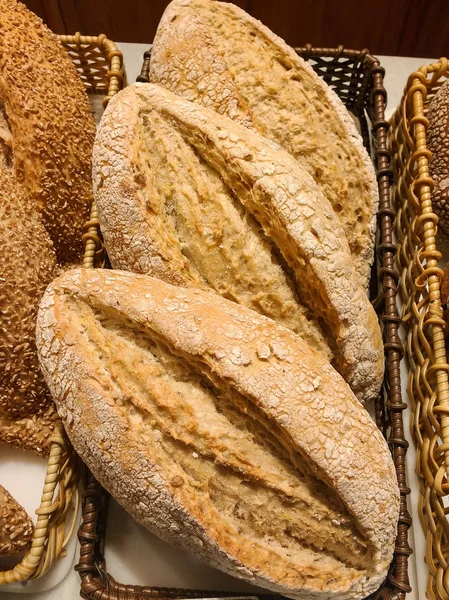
[(438, 144), (16, 528), (46, 138), (217, 55), (196, 199), (27, 265), (46, 126), (222, 432)]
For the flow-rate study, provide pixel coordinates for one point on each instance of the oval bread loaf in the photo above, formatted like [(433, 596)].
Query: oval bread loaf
[(192, 197), (215, 54), (46, 127), (222, 432)]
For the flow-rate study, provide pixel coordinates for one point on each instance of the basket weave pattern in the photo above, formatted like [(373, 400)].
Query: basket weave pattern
[(99, 63), (357, 78), (55, 518), (420, 280)]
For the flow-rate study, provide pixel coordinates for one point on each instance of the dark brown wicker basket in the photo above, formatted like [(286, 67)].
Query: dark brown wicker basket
[(357, 78)]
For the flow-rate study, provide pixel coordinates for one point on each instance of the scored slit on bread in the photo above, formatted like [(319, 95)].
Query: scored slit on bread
[(192, 197), (215, 54), (206, 237), (221, 431), (220, 445)]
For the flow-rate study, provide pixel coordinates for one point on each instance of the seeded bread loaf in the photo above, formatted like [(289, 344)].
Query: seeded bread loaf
[(217, 55), (192, 197), (16, 528), (46, 127), (27, 265), (438, 143), (46, 139), (222, 432)]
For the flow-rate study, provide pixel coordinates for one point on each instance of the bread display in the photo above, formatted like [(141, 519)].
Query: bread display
[(46, 127), (221, 431), (215, 54), (16, 528), (27, 265), (245, 219), (212, 381), (438, 144)]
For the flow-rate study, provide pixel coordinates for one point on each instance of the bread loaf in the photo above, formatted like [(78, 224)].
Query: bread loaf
[(16, 528), (217, 55), (193, 198), (46, 139), (438, 144), (27, 265), (221, 431), (46, 127)]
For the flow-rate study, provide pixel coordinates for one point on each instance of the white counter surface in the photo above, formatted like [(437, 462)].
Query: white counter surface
[(133, 555)]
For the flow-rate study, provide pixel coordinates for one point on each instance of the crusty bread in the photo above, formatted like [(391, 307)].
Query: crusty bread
[(194, 198), (438, 144), (16, 528), (217, 55), (46, 126), (46, 139), (27, 265), (221, 431)]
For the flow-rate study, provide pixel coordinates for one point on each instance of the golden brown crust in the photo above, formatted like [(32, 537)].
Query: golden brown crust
[(184, 60), (30, 433), (261, 177), (242, 69), (27, 265), (46, 138), (16, 527), (52, 127), (99, 333), (438, 144)]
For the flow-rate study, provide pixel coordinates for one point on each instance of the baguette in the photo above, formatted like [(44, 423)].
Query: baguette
[(222, 432), (194, 198), (217, 55)]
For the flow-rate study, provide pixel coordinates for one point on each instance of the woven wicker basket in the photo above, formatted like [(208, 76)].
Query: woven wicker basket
[(357, 77), (100, 65), (417, 259)]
